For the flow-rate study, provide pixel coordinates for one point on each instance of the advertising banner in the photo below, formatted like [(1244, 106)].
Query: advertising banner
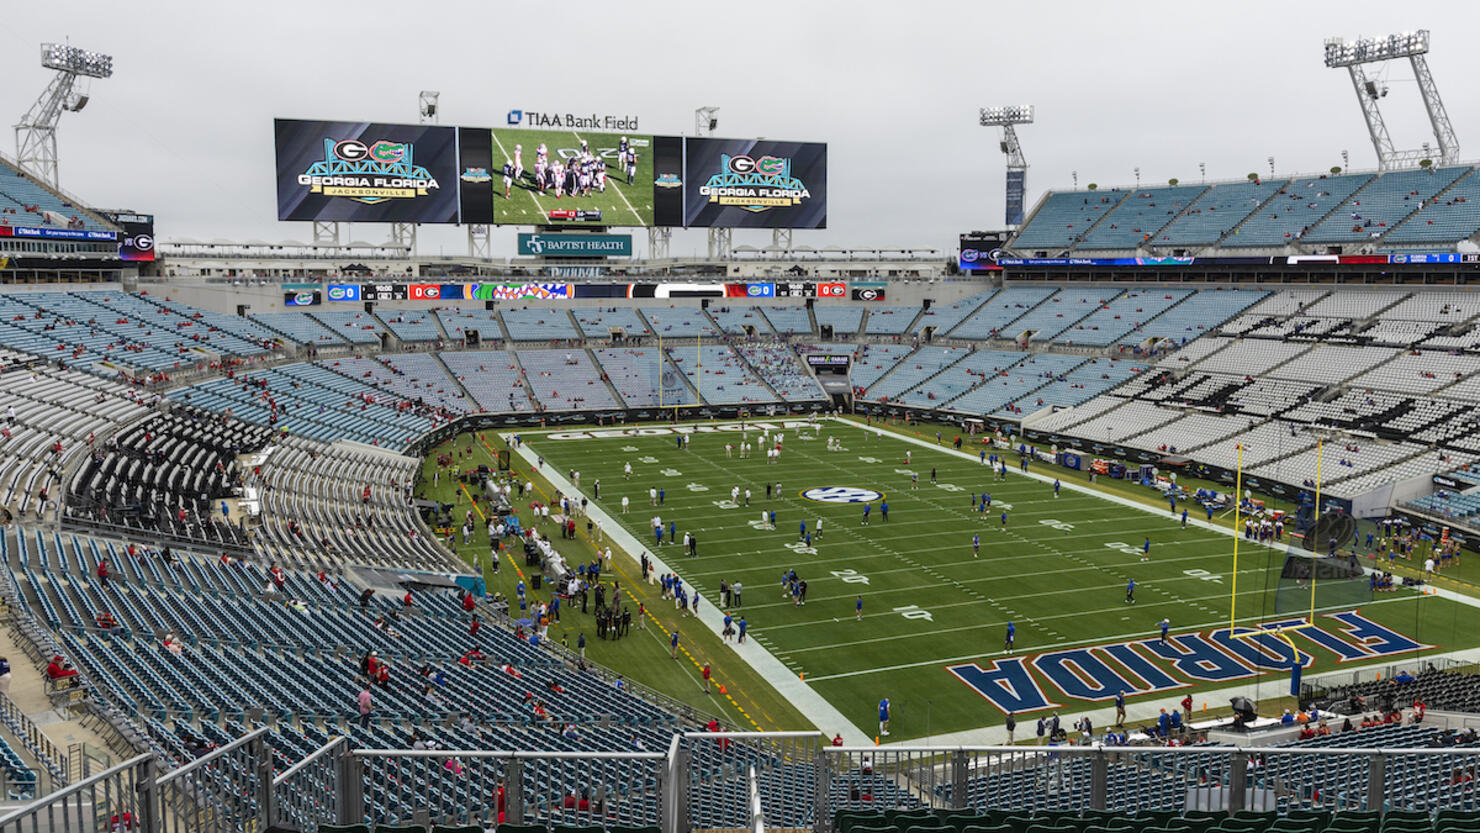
[(834, 289), (306, 298), (31, 233), (561, 177), (668, 181), (575, 245), (749, 183), (365, 172), (868, 290), (475, 176), (1017, 186)]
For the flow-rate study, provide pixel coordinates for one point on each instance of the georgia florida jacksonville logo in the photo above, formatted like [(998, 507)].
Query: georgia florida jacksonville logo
[(754, 184), (842, 494), (368, 173)]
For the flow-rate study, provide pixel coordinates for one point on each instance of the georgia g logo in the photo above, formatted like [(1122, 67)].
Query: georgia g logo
[(842, 494)]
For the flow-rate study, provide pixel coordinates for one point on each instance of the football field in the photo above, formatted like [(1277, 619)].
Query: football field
[(620, 204), (932, 636)]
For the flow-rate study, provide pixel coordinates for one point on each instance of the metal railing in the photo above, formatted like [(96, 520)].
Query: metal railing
[(736, 780), (227, 790), (757, 814), (120, 798), (48, 754), (304, 795)]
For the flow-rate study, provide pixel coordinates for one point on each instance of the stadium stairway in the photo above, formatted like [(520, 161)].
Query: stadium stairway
[(765, 383), (605, 380), (528, 388), (437, 357), (1467, 178), (1263, 206), (503, 329), (812, 320)]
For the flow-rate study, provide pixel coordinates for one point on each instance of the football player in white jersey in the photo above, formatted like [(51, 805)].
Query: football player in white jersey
[(519, 161)]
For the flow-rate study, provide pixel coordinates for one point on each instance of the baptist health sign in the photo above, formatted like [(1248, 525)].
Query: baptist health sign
[(575, 245)]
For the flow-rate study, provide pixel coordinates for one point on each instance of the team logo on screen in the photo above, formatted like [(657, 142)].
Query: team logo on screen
[(368, 173), (668, 181), (754, 184), (476, 175), (842, 494)]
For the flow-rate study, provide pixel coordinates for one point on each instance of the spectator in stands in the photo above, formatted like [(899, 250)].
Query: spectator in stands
[(61, 672), (172, 644), (103, 571), (365, 703)]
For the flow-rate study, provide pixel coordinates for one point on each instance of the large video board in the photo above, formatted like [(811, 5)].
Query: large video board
[(746, 183), (361, 172), (369, 172)]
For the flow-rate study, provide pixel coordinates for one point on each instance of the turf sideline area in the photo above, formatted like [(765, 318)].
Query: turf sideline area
[(816, 708)]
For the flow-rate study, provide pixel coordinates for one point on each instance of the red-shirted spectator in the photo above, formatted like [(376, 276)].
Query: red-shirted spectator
[(59, 669), (103, 571)]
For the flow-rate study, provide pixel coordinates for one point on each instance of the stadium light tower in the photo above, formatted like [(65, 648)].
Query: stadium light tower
[(1017, 166), (36, 134), (1355, 55)]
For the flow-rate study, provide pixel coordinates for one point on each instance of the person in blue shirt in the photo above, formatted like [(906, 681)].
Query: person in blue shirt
[(1056, 487), (867, 508), (1184, 518), (976, 546), (802, 530), (809, 539), (519, 589), (884, 716), (1166, 625), (1175, 721), (742, 625), (1146, 550), (858, 606), (673, 644), (1209, 507), (1130, 592), (1172, 502), (1163, 723), (884, 510), (1004, 521), (987, 499), (984, 456), (658, 534), (673, 531), (1120, 707), (1011, 634), (773, 518)]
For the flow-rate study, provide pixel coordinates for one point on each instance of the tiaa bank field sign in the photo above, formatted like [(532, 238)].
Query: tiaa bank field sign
[(575, 245)]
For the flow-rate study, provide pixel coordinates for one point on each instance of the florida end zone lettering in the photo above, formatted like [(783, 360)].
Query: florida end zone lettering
[(1148, 666)]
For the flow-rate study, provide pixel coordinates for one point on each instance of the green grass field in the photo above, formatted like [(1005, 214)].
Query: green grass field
[(1058, 570), (620, 205)]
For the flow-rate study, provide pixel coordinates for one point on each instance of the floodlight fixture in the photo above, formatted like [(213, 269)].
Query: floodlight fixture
[(68, 58), (1003, 116), (1343, 53)]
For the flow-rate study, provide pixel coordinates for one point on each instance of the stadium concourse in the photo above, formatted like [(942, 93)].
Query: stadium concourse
[(215, 529)]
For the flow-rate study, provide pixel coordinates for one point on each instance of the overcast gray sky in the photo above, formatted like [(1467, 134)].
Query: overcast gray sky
[(184, 128)]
